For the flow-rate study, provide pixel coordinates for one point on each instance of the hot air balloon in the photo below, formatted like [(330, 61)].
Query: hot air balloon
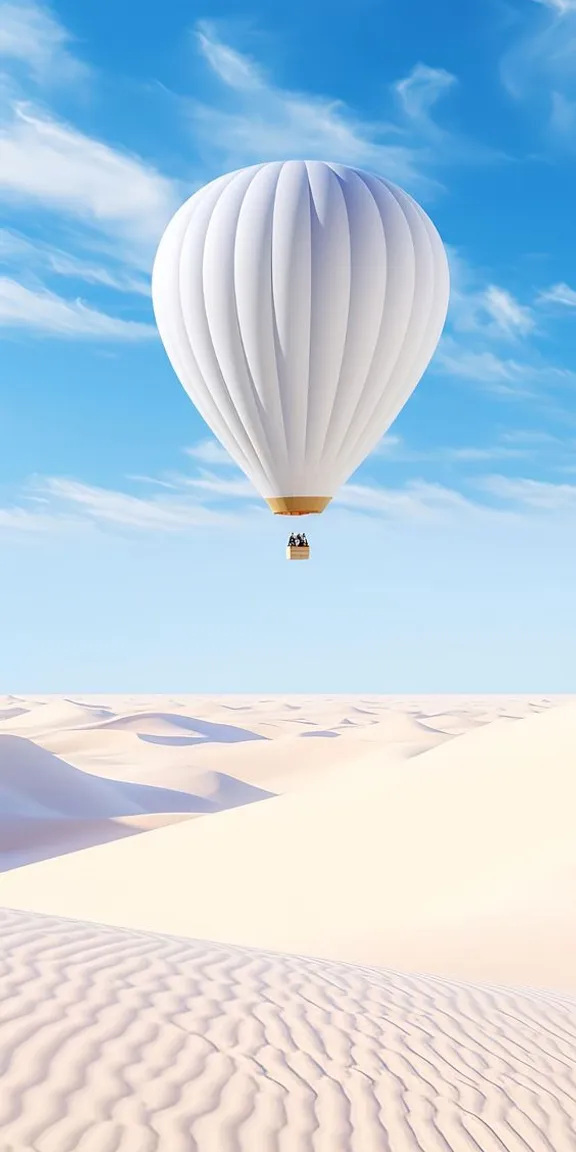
[(299, 303)]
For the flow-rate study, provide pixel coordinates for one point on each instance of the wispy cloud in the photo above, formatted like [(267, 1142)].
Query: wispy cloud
[(539, 69), (32, 35), (210, 452), (497, 374), (531, 438), (47, 314), (207, 501), (483, 308), (220, 487), (106, 506), (177, 503), (510, 316), (561, 294), (543, 495), (560, 6), (53, 165), (491, 337), (502, 375), (110, 205), (16, 249), (417, 499), (27, 521), (397, 451), (258, 120), (234, 69), (420, 91)]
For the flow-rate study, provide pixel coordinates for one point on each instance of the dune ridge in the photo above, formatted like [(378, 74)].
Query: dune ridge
[(463, 864), (192, 743), (432, 836), (120, 1041), (48, 806)]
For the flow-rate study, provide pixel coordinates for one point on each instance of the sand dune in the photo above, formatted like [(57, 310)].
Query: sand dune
[(291, 762), (461, 863), (49, 807), (33, 782), (171, 724), (12, 713), (129, 1042), (56, 714), (28, 840), (185, 742), (424, 834), (273, 715), (188, 745)]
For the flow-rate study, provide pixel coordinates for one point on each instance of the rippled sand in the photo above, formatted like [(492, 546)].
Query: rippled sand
[(422, 835), (116, 1041)]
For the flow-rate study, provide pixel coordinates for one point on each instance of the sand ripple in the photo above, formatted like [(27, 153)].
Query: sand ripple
[(121, 1041)]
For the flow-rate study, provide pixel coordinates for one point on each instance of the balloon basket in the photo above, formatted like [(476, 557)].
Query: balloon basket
[(298, 552)]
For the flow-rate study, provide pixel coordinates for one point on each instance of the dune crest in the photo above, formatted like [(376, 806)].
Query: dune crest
[(461, 861), (93, 759)]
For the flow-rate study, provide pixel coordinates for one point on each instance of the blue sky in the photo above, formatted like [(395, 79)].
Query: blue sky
[(134, 557)]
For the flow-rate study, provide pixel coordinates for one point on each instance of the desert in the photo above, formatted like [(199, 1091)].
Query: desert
[(288, 923)]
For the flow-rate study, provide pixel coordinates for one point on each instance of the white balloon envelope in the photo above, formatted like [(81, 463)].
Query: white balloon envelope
[(299, 303)]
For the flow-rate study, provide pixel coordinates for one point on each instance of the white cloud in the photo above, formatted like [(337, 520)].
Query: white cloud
[(483, 318), (539, 67), (559, 294), (504, 448), (188, 501), (483, 453), (31, 35), (234, 69), (484, 309), (538, 494), (54, 166), (110, 205), (506, 376), (117, 202), (559, 6), (45, 313), (57, 175), (211, 484), (270, 124), (68, 502), (16, 519), (531, 438), (154, 482), (420, 91), (107, 506), (416, 499), (483, 367), (506, 312), (18, 251), (210, 452), (260, 120), (390, 445)]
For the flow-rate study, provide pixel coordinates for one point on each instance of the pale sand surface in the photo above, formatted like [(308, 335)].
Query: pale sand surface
[(107, 758), (205, 745), (117, 1041), (431, 835), (461, 862), (92, 762), (26, 840)]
